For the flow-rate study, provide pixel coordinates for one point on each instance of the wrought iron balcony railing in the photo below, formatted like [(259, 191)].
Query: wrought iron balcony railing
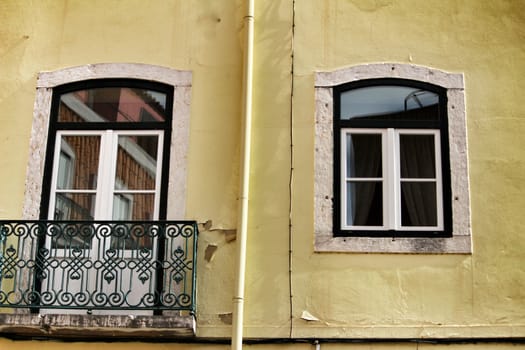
[(100, 265)]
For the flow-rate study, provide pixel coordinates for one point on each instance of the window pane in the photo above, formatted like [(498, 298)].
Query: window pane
[(419, 205), (65, 170), (127, 207), (363, 155), (72, 236), (417, 156), (136, 162), (122, 207), (133, 206), (389, 102), (130, 207), (78, 162), (364, 203), (112, 104), (74, 206), (132, 237)]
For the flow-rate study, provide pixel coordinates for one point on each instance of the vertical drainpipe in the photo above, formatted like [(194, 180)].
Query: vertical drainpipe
[(242, 220)]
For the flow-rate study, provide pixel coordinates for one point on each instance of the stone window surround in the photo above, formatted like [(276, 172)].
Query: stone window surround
[(169, 325), (460, 242), (180, 80)]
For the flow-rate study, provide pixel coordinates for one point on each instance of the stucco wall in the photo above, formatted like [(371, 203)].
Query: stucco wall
[(420, 295), (351, 295), (203, 37), (52, 345)]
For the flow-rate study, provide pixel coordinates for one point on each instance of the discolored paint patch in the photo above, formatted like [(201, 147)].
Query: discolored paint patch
[(226, 318)]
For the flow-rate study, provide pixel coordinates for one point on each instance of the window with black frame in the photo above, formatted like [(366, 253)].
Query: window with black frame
[(105, 187), (391, 159), (105, 159)]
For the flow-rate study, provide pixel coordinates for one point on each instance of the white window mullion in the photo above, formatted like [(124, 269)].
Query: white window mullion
[(344, 179), (112, 174), (160, 156), (439, 180), (104, 200), (54, 178), (391, 174)]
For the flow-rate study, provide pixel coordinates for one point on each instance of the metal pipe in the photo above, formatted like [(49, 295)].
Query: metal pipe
[(244, 185)]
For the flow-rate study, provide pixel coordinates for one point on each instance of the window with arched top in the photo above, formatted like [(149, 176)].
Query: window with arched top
[(391, 168), (394, 172), (125, 98), (104, 210), (108, 151)]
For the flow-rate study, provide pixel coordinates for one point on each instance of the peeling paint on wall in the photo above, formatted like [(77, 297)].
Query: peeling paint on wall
[(210, 252), (229, 235), (226, 318)]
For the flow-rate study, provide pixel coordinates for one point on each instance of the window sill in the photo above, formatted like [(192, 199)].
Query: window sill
[(19, 325), (408, 245)]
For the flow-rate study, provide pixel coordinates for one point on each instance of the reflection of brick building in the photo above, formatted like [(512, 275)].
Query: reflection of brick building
[(78, 206), (122, 104), (110, 105)]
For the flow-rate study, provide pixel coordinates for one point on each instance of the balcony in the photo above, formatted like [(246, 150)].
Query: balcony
[(113, 274)]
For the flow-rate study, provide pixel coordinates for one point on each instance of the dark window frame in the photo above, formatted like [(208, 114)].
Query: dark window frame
[(441, 125), (55, 125)]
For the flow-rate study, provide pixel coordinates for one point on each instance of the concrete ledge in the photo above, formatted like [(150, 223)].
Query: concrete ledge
[(96, 326)]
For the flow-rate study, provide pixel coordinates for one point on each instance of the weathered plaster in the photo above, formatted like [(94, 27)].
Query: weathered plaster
[(89, 326), (115, 70), (460, 242)]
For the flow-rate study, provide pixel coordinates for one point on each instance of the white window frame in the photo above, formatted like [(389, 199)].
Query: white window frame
[(391, 179), (438, 179), (384, 179), (106, 186), (461, 240)]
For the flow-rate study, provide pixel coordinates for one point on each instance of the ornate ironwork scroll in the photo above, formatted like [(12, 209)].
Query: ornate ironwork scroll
[(106, 265)]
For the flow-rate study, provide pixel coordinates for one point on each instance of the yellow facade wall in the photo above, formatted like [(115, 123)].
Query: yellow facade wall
[(52, 345), (352, 295), (421, 294), (204, 37)]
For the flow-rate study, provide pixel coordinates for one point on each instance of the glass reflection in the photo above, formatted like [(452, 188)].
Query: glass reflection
[(128, 206), (74, 206), (137, 162), (112, 104), (133, 206), (389, 102), (78, 162)]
